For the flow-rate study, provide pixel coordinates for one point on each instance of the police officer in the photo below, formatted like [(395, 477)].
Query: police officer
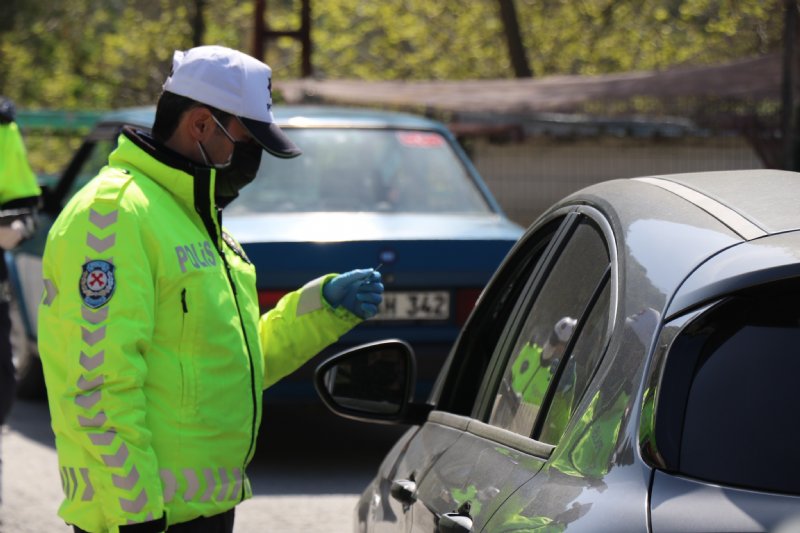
[(19, 197), (154, 352)]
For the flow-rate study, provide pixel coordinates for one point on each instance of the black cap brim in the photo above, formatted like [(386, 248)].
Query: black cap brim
[(271, 138)]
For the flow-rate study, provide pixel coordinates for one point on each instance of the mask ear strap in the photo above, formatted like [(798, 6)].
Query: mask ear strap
[(203, 153), (228, 135)]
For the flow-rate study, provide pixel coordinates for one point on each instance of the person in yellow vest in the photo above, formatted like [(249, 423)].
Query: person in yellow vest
[(154, 351), (19, 198)]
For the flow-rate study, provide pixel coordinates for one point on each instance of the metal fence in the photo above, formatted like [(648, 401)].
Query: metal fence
[(527, 177)]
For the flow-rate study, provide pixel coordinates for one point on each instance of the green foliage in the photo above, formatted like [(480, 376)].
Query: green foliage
[(453, 39), (111, 53), (102, 54)]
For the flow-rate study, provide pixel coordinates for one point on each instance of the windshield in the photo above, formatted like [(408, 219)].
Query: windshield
[(399, 171)]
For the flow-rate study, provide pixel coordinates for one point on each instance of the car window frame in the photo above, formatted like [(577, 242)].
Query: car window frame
[(494, 375), (661, 426), (449, 383)]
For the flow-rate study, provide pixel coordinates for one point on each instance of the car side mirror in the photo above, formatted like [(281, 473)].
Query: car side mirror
[(373, 382)]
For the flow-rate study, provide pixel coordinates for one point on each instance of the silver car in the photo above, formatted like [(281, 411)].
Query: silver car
[(631, 366)]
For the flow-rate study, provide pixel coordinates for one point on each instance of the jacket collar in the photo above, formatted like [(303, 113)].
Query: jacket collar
[(191, 184)]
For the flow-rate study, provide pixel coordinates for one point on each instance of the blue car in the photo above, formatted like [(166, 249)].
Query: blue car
[(371, 189)]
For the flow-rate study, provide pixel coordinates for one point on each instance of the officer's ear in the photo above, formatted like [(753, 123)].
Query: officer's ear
[(198, 123)]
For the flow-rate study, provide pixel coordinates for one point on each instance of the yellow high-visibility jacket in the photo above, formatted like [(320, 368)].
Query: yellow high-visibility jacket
[(154, 352), (17, 180)]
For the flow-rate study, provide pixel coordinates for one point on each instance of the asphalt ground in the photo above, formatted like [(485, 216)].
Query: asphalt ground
[(310, 467)]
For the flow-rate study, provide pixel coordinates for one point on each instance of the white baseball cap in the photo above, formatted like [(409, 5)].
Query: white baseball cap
[(233, 82)]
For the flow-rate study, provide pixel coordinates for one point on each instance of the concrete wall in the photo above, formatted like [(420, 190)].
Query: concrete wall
[(529, 176)]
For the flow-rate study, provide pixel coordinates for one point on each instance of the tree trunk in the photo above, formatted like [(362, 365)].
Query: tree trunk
[(198, 22), (516, 51)]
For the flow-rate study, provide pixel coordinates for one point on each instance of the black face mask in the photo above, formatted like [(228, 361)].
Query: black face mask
[(240, 169)]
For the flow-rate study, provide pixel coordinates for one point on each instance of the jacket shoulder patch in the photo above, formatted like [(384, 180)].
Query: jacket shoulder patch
[(97, 283)]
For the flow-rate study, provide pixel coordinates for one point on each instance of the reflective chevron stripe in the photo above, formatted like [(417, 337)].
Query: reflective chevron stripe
[(87, 401), (239, 479), (211, 484), (50, 292), (102, 221), (224, 485), (88, 492), (134, 506), (118, 459), (216, 484), (126, 482), (95, 422), (93, 337), (95, 317), (170, 484), (93, 362), (85, 385), (192, 484), (70, 483), (103, 439), (100, 245)]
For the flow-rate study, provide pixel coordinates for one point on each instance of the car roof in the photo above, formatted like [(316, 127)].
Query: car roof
[(302, 116), (765, 198), (735, 228)]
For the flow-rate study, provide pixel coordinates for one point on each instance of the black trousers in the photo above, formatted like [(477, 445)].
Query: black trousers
[(220, 523), (8, 382)]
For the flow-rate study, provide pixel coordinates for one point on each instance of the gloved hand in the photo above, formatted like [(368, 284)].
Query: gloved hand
[(358, 291)]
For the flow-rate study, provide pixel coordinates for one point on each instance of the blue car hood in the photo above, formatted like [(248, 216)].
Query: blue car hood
[(339, 227)]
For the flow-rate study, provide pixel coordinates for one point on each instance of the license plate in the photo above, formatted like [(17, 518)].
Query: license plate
[(415, 305)]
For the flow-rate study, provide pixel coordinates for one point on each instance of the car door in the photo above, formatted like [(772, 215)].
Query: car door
[(393, 497), (540, 366)]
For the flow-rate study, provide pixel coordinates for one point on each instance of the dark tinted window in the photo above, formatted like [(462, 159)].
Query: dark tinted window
[(740, 425), (547, 330)]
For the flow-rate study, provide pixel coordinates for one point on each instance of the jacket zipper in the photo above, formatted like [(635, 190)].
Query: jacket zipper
[(205, 208), (252, 366)]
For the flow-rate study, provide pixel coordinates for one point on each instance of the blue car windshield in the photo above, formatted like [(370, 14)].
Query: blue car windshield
[(356, 170)]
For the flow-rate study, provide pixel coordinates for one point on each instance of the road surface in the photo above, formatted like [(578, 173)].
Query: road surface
[(306, 476)]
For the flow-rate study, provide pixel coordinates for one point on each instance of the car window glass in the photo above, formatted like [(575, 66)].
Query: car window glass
[(740, 417), (468, 364), (579, 369), (548, 328), (96, 159), (351, 170)]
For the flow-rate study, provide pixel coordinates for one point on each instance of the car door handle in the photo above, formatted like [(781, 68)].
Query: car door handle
[(455, 523), (403, 490)]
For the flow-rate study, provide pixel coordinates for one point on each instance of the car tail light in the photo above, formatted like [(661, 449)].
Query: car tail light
[(465, 302), (269, 299)]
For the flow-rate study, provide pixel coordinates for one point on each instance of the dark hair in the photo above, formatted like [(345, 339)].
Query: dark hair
[(7, 110), (171, 107)]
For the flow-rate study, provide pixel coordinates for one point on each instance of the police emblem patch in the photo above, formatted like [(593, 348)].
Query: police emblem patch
[(235, 246), (97, 283)]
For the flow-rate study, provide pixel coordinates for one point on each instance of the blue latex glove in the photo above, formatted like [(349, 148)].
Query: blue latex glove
[(358, 291)]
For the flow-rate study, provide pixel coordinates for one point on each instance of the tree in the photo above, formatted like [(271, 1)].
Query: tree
[(112, 53)]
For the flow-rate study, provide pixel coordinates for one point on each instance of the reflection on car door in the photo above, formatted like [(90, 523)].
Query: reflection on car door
[(539, 369)]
